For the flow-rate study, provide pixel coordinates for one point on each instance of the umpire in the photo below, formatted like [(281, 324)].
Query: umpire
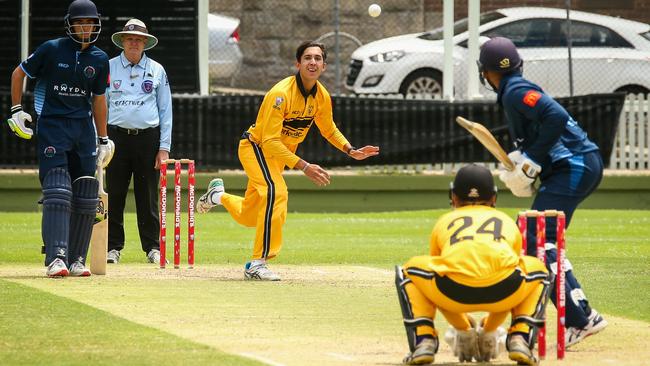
[(140, 124)]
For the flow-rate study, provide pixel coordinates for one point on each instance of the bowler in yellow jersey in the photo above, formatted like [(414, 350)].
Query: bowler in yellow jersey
[(474, 265), (287, 112)]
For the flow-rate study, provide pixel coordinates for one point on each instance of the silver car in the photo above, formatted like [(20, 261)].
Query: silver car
[(225, 57)]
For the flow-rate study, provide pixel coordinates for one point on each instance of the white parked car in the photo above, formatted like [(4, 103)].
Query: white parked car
[(609, 54), (225, 57)]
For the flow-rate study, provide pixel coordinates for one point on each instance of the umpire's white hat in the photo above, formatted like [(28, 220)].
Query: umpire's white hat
[(136, 27)]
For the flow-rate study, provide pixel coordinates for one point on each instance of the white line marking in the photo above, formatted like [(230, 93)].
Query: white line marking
[(260, 358), (341, 356), (372, 269)]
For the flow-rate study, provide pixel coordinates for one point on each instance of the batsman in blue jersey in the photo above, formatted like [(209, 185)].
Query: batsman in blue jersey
[(549, 146), (72, 75)]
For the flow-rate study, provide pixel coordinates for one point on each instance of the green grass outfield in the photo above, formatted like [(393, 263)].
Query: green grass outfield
[(336, 303)]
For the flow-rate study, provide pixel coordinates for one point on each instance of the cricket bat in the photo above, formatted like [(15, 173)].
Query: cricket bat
[(99, 238), (486, 138)]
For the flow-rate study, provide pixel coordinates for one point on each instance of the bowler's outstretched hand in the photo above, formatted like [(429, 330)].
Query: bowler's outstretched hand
[(364, 152)]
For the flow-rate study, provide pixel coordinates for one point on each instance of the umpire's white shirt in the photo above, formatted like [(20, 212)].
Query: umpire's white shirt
[(139, 96)]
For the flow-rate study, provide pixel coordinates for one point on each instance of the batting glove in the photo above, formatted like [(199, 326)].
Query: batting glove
[(18, 122), (516, 156), (105, 151), (520, 190), (520, 181)]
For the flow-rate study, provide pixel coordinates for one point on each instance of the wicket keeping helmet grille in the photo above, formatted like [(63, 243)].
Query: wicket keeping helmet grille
[(82, 9), (499, 54), (473, 183)]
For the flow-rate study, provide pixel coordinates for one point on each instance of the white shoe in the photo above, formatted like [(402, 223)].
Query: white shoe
[(153, 256), (596, 324), (260, 272), (113, 256), (423, 354), (57, 269), (519, 350), (77, 269), (208, 200)]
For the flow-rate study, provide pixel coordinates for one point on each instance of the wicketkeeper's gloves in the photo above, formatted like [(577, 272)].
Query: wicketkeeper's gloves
[(18, 122)]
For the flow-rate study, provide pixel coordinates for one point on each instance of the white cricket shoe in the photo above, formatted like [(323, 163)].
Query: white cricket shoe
[(113, 256), (424, 353), (519, 350), (77, 269), (211, 197), (57, 269), (596, 324), (153, 256), (260, 272)]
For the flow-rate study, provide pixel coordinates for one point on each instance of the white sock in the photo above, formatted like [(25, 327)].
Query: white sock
[(215, 198), (257, 262)]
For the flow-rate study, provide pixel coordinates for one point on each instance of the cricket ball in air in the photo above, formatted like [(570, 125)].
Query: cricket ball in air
[(374, 10)]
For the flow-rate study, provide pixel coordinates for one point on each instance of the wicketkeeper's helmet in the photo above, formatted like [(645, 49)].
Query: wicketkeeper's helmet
[(82, 9), (473, 183)]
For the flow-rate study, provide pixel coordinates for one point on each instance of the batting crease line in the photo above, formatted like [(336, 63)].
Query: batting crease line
[(261, 359), (341, 356), (372, 269)]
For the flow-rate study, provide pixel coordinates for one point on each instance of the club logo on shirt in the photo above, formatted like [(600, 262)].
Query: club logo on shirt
[(49, 151), (63, 65), (531, 98), (147, 86), (116, 84), (89, 71), (278, 102)]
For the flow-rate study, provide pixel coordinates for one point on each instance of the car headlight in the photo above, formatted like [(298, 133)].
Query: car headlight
[(387, 56)]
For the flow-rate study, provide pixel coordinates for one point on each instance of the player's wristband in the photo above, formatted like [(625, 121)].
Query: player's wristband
[(304, 168), (103, 140), (350, 150), (15, 109)]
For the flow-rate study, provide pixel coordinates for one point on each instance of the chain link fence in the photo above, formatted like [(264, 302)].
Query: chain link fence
[(252, 46)]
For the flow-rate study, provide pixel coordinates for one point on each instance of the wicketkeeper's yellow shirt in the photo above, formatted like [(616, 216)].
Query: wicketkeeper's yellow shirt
[(475, 245)]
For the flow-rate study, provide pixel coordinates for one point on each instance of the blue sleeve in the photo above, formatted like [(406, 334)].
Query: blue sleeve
[(102, 81), (34, 64), (537, 106), (164, 100)]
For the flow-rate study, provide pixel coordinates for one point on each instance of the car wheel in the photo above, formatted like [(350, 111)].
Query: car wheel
[(633, 89), (423, 82)]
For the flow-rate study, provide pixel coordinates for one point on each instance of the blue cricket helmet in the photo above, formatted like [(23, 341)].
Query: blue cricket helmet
[(499, 54), (82, 9)]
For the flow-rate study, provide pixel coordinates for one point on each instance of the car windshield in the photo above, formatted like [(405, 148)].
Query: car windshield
[(460, 26)]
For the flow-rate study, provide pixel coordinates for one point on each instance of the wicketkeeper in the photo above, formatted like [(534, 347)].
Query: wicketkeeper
[(474, 265)]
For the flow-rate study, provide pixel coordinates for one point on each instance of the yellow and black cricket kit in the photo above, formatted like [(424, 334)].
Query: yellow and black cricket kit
[(474, 265), (284, 119)]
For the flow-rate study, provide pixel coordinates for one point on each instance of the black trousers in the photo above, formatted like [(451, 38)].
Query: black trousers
[(135, 156)]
